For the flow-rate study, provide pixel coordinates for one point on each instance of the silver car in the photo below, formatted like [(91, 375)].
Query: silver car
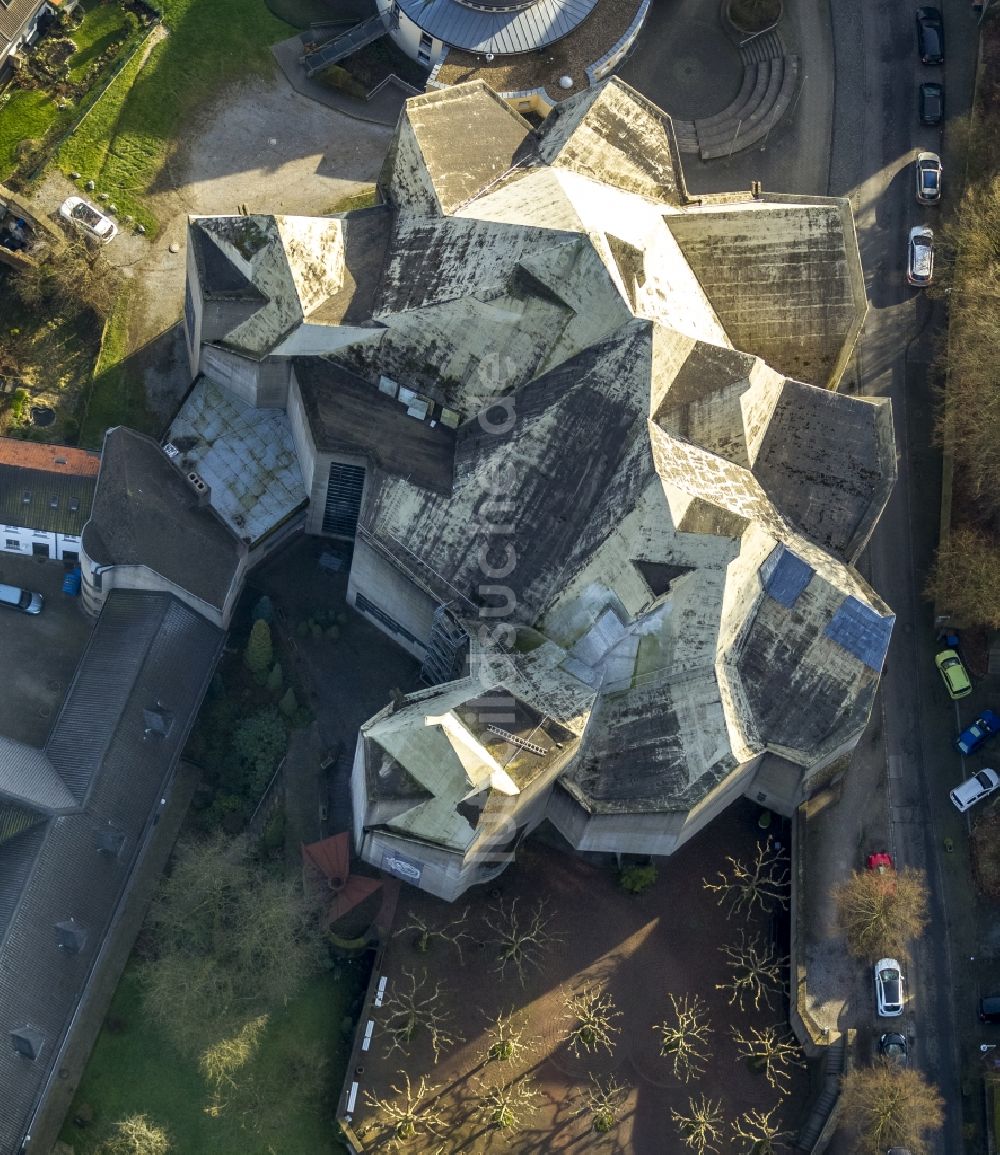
[(920, 256), (929, 171)]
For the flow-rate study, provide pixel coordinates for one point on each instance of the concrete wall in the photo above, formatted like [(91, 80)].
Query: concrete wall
[(407, 35), (99, 581), (193, 312), (640, 833), (20, 539), (381, 584), (263, 384)]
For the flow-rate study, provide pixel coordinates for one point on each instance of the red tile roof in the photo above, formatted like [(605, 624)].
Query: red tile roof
[(51, 458)]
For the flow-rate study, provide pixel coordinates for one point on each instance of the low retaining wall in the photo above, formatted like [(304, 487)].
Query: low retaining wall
[(615, 55)]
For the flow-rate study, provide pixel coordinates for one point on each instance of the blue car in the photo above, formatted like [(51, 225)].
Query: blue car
[(972, 737)]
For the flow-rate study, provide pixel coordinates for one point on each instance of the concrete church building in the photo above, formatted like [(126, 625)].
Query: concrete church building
[(558, 405)]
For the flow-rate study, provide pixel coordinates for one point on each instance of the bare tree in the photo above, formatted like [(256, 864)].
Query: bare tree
[(509, 1106), (881, 913), (891, 1106), (592, 1012), (761, 883), (426, 931), (603, 1101), (758, 1134), (410, 1112), (773, 1051), (701, 1127), (963, 577), (220, 1063), (684, 1037), (756, 972), (507, 1041), (521, 940), (414, 1007)]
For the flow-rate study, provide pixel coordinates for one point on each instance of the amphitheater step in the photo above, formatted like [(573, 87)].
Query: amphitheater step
[(766, 46), (758, 118), (749, 80)]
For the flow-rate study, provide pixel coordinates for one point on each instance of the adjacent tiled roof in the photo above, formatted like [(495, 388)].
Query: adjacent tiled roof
[(497, 29), (145, 513), (14, 14), (27, 777), (46, 487), (55, 873)]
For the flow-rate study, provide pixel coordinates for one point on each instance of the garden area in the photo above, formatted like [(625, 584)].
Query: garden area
[(572, 1006)]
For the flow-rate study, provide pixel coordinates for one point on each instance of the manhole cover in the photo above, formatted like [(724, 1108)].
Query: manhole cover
[(42, 415), (52, 684), (45, 711)]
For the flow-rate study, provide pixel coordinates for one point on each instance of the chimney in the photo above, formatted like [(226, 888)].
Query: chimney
[(202, 491)]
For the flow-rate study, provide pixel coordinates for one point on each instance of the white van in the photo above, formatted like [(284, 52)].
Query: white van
[(23, 600)]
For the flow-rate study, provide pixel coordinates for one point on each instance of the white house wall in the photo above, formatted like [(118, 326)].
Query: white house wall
[(20, 539)]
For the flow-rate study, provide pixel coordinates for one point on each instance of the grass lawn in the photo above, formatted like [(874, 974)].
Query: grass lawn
[(31, 115), (135, 1070), (117, 397), (210, 43)]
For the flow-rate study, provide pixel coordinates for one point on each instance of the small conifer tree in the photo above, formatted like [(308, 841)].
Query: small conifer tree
[(276, 678), (260, 651), (289, 705)]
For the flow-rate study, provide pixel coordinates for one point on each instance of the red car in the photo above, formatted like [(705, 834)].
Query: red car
[(879, 861)]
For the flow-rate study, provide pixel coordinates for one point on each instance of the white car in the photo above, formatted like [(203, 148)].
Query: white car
[(920, 256), (975, 789), (929, 172), (83, 214), (889, 997)]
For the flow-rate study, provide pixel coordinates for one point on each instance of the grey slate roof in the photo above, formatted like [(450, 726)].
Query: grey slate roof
[(28, 777), (498, 31), (146, 514), (55, 503), (55, 873)]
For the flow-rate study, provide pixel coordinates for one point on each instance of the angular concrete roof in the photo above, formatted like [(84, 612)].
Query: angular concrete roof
[(685, 509)]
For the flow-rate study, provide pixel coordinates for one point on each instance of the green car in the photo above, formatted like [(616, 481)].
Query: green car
[(956, 677)]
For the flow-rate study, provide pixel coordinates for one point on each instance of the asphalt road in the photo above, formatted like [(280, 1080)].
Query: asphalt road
[(876, 136)]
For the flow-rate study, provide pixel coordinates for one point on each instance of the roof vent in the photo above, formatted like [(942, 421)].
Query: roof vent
[(156, 721), (110, 841), (70, 936), (202, 491), (171, 450), (61, 461), (27, 1042)]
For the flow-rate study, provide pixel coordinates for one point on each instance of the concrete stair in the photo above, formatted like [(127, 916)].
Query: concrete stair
[(344, 44), (770, 80), (832, 1070)]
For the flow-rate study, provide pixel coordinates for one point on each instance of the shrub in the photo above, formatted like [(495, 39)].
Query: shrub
[(636, 879), (289, 705), (260, 650), (276, 678)]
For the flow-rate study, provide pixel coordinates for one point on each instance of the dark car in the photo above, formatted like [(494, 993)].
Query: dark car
[(893, 1047), (989, 1009), (930, 102), (984, 727), (930, 35)]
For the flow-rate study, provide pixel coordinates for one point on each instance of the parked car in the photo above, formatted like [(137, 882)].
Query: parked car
[(930, 103), (975, 789), (989, 1009), (920, 256), (930, 35), (929, 172), (894, 1047), (879, 861), (91, 220), (889, 997), (15, 598), (984, 727), (953, 672)]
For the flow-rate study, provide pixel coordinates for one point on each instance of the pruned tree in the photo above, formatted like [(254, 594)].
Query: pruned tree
[(521, 939), (410, 1112), (426, 932), (701, 1127), (591, 1012), (220, 1063), (762, 883), (890, 1106), (137, 1135), (603, 1100), (756, 973), (416, 1007), (882, 913), (684, 1036), (773, 1051), (509, 1106), (757, 1133), (507, 1041)]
